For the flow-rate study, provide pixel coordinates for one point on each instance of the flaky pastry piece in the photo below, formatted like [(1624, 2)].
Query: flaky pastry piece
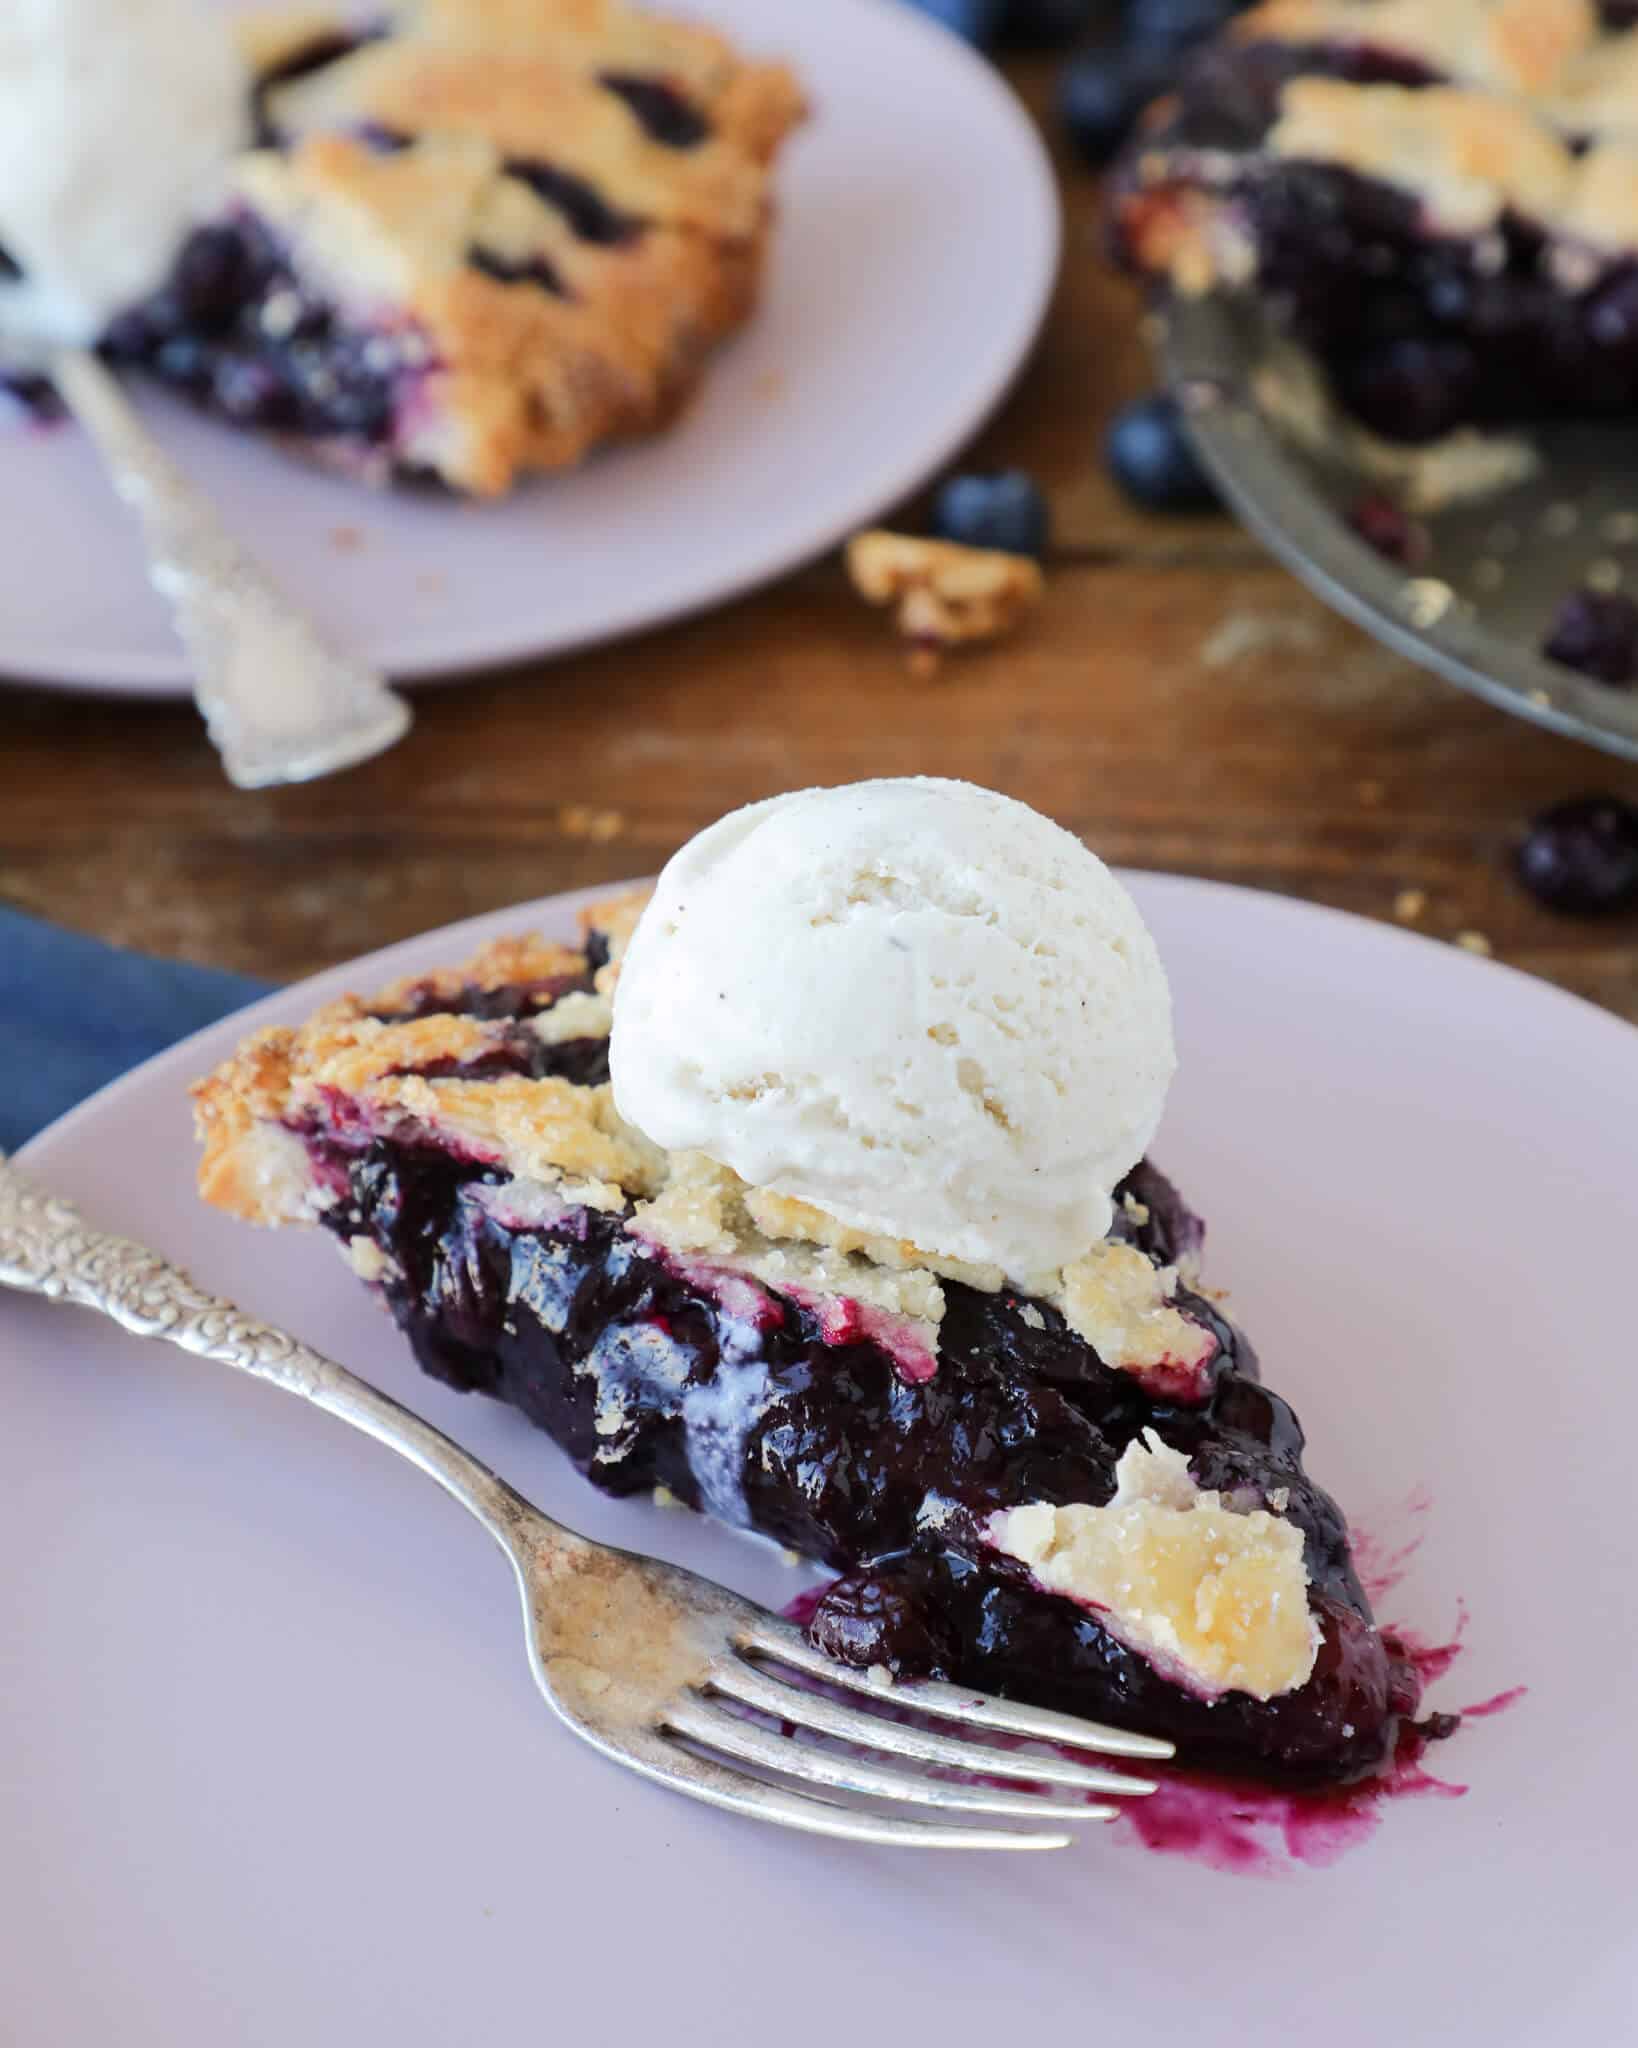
[(945, 595)]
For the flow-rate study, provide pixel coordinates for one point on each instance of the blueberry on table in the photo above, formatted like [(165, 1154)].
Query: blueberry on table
[(1102, 92), (976, 21), (1596, 632), (1006, 511), (1152, 459), (1581, 856)]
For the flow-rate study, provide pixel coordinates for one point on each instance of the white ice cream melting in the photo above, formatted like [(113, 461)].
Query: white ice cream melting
[(115, 118), (917, 1005)]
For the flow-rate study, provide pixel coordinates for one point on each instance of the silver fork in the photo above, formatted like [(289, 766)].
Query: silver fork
[(652, 1665), (281, 704)]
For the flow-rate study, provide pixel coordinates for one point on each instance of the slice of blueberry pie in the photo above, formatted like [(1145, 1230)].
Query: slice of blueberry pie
[(475, 237), (1055, 1477), (1438, 198)]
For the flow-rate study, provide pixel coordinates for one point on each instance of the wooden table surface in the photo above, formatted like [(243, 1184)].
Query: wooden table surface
[(1177, 699)]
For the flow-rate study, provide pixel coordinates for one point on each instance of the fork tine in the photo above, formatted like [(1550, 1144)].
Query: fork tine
[(719, 1785), (955, 1702), (746, 1743), (753, 1687)]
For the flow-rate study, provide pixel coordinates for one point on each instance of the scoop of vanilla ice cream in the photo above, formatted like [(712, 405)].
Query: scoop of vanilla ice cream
[(918, 1005), (114, 116)]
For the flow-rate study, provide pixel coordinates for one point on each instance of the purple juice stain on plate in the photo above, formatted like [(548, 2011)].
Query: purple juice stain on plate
[(1252, 1830), (1246, 1829)]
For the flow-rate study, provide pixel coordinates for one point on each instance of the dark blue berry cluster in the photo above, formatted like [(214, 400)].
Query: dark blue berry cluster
[(1153, 460)]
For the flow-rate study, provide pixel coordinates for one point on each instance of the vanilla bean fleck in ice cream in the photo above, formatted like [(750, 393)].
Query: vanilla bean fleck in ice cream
[(917, 1005)]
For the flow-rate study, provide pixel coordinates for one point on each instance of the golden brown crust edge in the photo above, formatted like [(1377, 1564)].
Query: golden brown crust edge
[(252, 1166)]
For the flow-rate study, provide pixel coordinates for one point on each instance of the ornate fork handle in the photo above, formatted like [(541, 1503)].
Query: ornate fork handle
[(47, 1248)]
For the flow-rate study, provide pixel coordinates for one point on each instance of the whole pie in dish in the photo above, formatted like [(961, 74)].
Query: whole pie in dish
[(475, 237), (1438, 198), (1082, 1496)]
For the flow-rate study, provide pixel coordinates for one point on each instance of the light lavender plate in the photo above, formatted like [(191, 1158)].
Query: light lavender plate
[(916, 250), (273, 1771), (1478, 607)]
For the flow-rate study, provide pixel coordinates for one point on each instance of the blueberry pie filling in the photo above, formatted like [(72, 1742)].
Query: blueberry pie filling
[(1081, 1496), (473, 240), (31, 397), (665, 113), (236, 328), (1440, 202)]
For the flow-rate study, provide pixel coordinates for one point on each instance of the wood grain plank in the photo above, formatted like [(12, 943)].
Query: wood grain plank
[(1178, 700)]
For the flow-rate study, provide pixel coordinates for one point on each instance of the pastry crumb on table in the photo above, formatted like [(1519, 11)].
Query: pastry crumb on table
[(946, 594), (589, 821)]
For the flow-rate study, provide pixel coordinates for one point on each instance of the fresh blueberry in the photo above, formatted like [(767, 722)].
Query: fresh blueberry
[(1005, 511), (1175, 24), (1152, 459), (1596, 632), (1047, 24), (976, 21), (1582, 855), (1102, 92)]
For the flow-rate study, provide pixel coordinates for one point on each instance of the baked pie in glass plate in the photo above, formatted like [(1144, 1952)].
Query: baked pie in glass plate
[(1438, 198), (1398, 243)]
